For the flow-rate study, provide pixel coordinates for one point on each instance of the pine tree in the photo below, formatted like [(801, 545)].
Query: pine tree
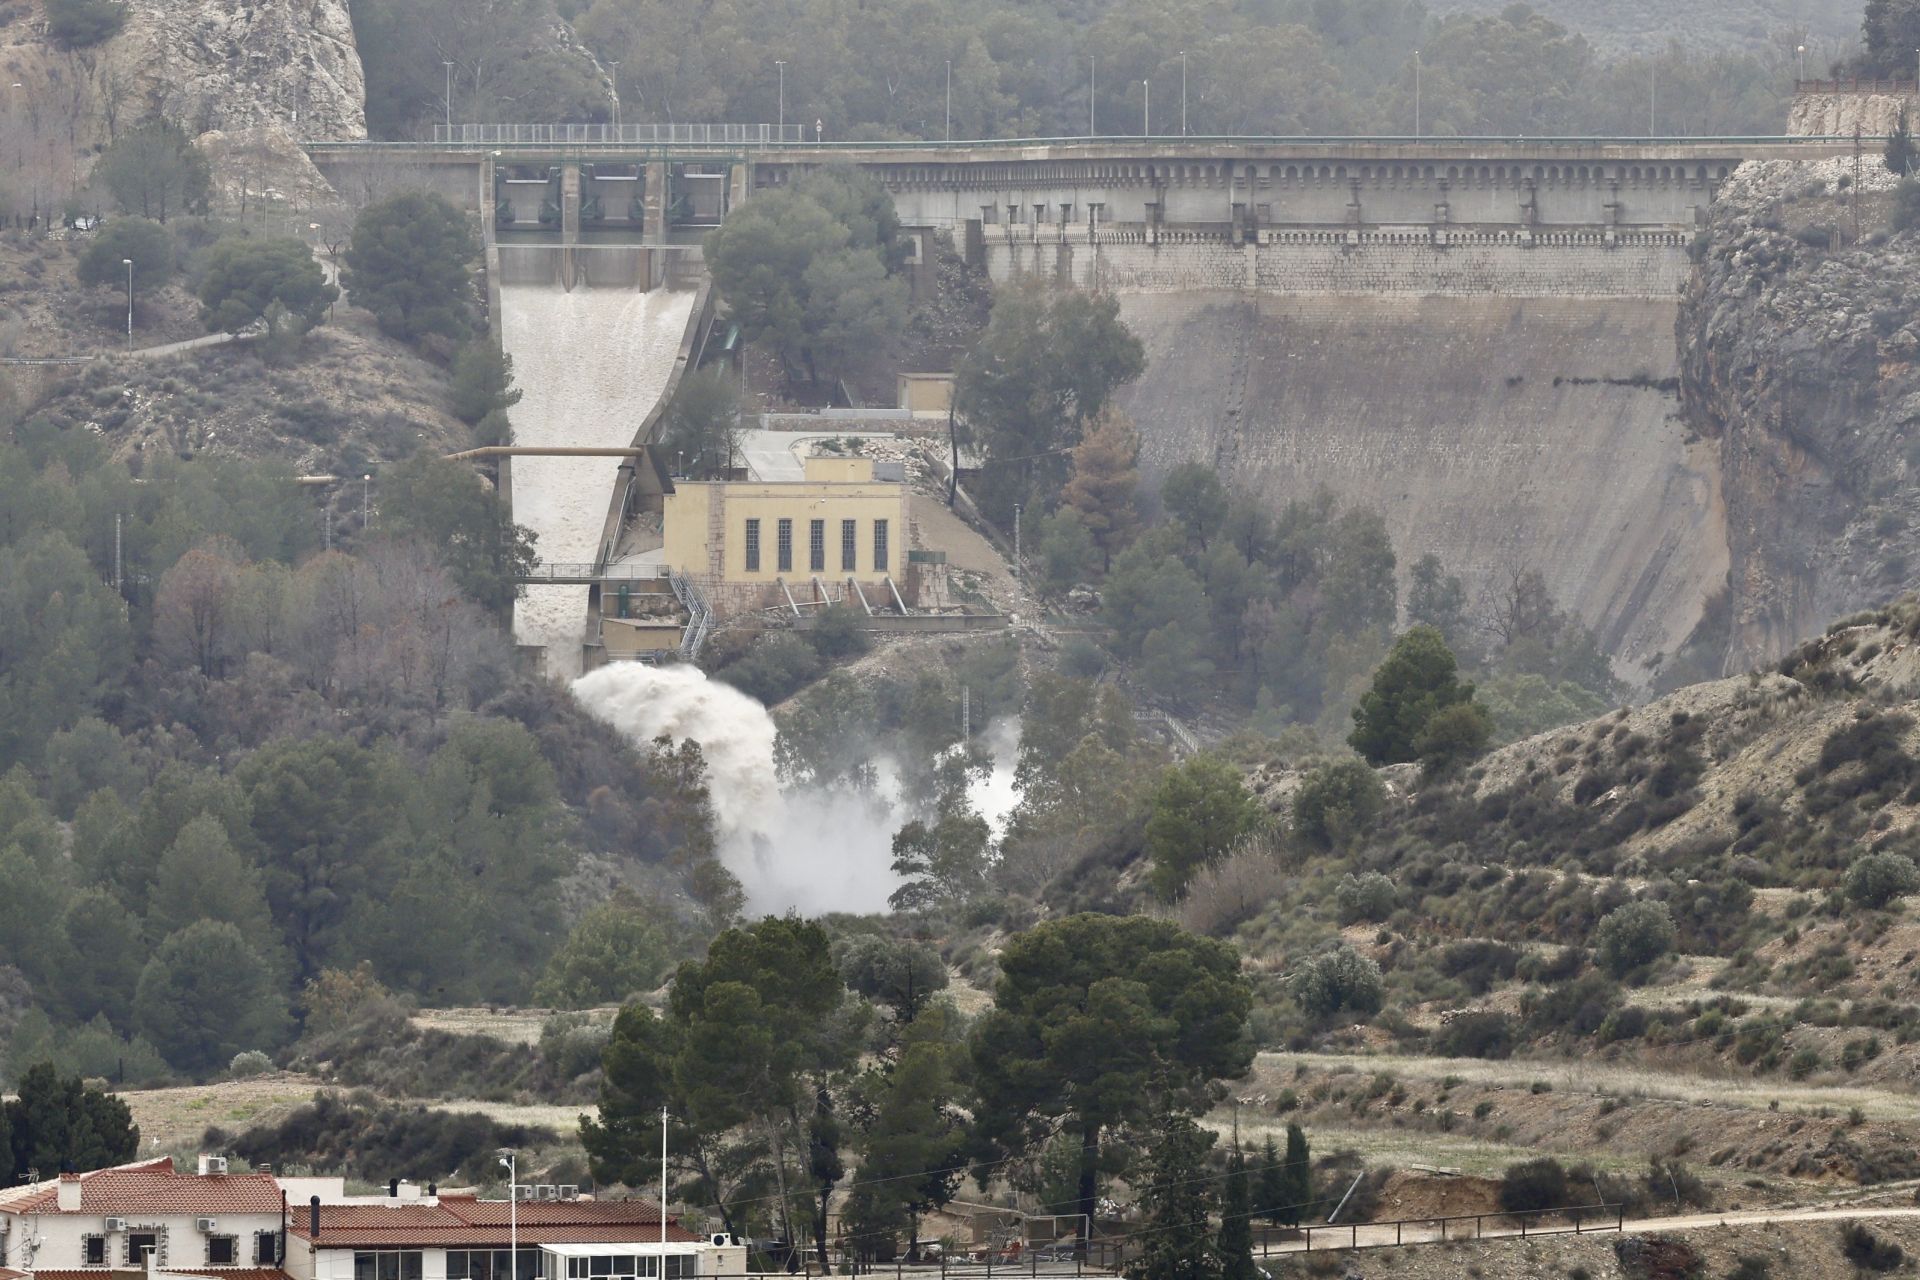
[(1236, 1222), (1177, 1242), (1297, 1183), (1271, 1194)]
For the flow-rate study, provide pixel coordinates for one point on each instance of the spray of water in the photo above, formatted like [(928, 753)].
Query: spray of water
[(806, 851)]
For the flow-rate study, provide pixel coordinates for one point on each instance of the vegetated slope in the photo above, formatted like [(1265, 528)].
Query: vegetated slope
[(1650, 26), (1501, 434), (1800, 355)]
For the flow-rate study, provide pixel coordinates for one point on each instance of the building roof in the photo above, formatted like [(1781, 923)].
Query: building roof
[(467, 1222), (106, 1273), (153, 1188)]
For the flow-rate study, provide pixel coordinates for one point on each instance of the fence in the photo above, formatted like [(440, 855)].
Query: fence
[(1404, 1231), (584, 572), (483, 135), (1854, 85)]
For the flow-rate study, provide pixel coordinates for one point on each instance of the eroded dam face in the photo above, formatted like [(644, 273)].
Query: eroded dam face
[(1499, 433), (1504, 402)]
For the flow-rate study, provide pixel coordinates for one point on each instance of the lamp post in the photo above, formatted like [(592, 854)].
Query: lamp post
[(128, 264), (1183, 93), (616, 101), (949, 99), (781, 131), (1146, 108), (509, 1159), (1801, 51), (1093, 69), (1416, 93), (1653, 97)]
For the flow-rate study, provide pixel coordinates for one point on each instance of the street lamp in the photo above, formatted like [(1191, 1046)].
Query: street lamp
[(449, 67), (1093, 67), (1146, 108), (1183, 93), (511, 1162), (781, 133), (949, 99), (1802, 51), (616, 101), (128, 264), (1416, 93)]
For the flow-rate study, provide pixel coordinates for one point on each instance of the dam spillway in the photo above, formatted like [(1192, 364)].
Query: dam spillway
[(591, 364)]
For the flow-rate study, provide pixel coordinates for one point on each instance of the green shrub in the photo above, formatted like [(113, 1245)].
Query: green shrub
[(1341, 979), (1336, 801), (1369, 897), (1633, 935), (1533, 1185), (1864, 1249), (248, 1063), (1876, 879), (1484, 1034)]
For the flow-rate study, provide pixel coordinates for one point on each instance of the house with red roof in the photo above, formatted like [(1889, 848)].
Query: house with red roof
[(133, 1216)]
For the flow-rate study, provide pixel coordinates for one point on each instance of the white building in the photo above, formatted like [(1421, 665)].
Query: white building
[(113, 1218), (459, 1237)]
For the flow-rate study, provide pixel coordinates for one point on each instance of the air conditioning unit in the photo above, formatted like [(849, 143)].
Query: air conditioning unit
[(522, 1192), (205, 1224), (116, 1225), (216, 1164), (569, 1192), (546, 1191), (721, 1240)]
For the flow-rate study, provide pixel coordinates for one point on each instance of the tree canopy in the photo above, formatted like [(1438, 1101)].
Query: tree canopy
[(408, 264), (156, 172), (248, 279)]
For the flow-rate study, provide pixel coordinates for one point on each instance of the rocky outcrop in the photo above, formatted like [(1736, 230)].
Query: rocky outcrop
[(1802, 359), (1841, 115)]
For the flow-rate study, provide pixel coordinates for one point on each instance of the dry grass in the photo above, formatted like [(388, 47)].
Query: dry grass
[(172, 1119)]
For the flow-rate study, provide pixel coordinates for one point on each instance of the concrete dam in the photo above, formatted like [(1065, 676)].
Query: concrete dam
[(1473, 337)]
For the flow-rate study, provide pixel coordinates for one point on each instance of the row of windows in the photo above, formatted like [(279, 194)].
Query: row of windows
[(816, 546), (482, 1264), (389, 1264), (222, 1251), (627, 1266)]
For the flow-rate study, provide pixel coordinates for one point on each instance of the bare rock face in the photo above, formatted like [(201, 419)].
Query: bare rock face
[(1800, 356), (237, 65), (1840, 115)]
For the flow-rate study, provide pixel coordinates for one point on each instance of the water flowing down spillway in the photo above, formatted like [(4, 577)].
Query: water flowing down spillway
[(591, 365)]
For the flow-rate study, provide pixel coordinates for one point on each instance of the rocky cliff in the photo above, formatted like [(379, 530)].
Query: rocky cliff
[(1801, 358), (1830, 115)]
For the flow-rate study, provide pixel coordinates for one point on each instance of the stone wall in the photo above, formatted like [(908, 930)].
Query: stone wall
[(1371, 263)]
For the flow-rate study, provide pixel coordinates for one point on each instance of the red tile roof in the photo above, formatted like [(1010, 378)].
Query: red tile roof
[(8, 1273), (458, 1221), (106, 1273), (152, 1188)]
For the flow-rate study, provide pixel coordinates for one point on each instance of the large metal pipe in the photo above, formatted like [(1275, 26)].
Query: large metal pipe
[(546, 451)]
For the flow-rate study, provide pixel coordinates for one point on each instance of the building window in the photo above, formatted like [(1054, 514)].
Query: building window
[(817, 546), (266, 1248), (627, 1266), (879, 546), (388, 1264), (223, 1251), (785, 549), (93, 1251), (1066, 214), (753, 546), (849, 559), (139, 1245)]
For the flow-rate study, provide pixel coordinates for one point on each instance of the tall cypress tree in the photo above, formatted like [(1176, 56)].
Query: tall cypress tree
[(1271, 1186), (1177, 1237), (1236, 1222), (1297, 1186), (1900, 153)]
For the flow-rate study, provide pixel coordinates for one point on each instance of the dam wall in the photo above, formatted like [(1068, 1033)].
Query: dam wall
[(1386, 262), (1500, 433)]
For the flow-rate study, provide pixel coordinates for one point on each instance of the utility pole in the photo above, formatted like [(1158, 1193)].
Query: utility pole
[(1093, 69), (128, 264), (616, 101), (118, 579), (1016, 539), (1416, 93), (949, 99), (449, 67), (781, 132), (1146, 108), (1653, 97), (366, 507)]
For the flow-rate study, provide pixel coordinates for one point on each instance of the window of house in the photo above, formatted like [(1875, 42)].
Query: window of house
[(989, 214), (139, 1245), (786, 546), (753, 546), (848, 552), (266, 1248), (1066, 214), (93, 1251), (223, 1251), (817, 546), (388, 1264), (879, 546), (1013, 215)]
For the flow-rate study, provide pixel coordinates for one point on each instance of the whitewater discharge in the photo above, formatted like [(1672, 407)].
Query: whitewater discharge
[(808, 851), (805, 851), (591, 365)]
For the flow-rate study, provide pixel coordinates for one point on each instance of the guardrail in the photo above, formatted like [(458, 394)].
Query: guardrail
[(1855, 84), (1406, 1231), (588, 572), (617, 134), (1188, 144)]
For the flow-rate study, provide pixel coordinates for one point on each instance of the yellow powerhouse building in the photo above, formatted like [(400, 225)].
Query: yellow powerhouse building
[(738, 539)]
